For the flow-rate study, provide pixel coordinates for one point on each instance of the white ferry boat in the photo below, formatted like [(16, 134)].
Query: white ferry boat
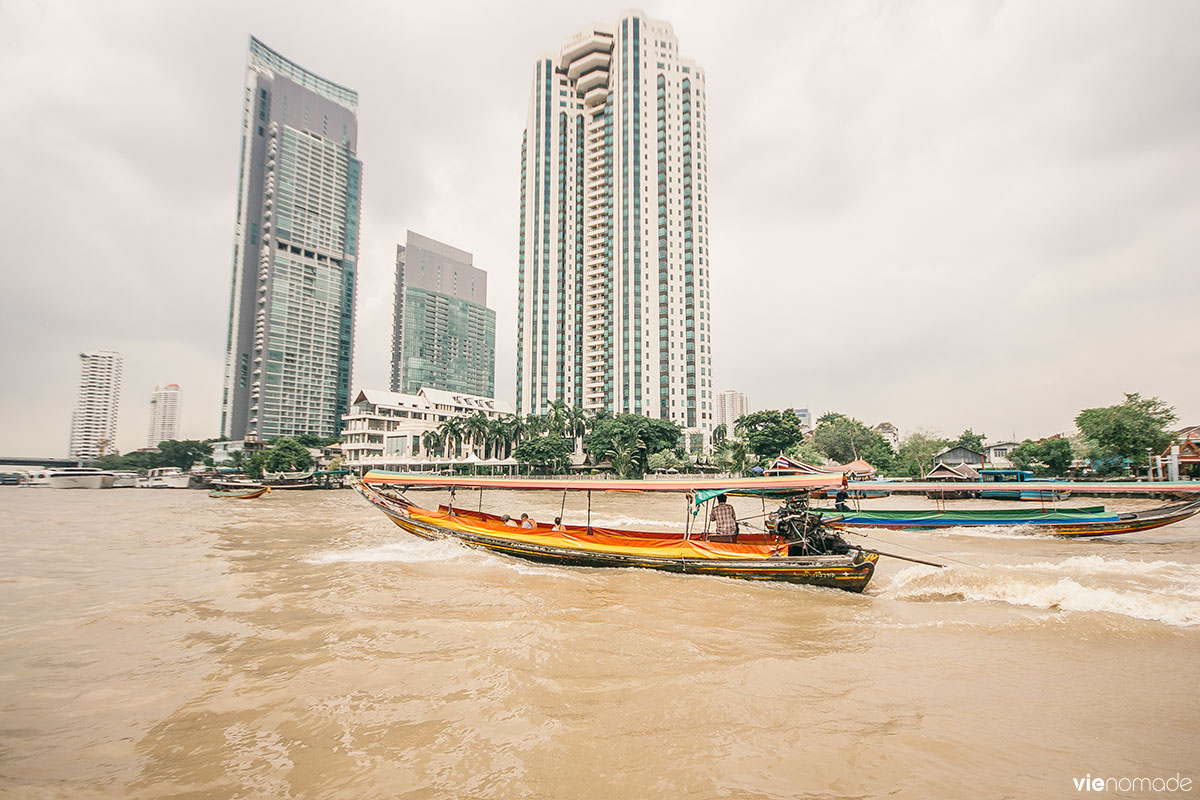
[(80, 478), (165, 478)]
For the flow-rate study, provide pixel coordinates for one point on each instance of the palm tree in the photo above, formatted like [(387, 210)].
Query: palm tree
[(532, 426), (433, 441), (477, 427), (578, 422), (556, 418), (452, 429)]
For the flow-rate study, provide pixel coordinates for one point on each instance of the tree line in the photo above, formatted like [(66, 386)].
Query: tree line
[(1108, 440)]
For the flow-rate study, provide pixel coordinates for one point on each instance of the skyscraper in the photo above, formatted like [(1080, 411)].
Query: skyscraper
[(613, 294), (291, 311), (165, 405), (444, 335), (730, 406), (94, 423)]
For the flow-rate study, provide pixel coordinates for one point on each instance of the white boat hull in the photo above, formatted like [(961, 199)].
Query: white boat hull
[(81, 481), (166, 482)]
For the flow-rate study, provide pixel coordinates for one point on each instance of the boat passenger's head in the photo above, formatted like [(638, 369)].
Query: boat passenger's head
[(721, 498), (505, 518)]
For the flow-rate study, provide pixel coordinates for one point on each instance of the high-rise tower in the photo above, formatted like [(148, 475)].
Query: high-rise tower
[(291, 310), (94, 423), (614, 308), (444, 335), (165, 405)]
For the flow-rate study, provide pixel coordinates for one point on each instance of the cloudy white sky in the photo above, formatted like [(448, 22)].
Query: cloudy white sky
[(942, 214)]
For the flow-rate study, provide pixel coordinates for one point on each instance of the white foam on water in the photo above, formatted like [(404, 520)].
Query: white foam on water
[(1047, 592), (1098, 565), (630, 522), (415, 551)]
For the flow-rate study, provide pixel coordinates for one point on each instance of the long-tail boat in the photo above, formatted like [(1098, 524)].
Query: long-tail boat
[(795, 549), (1070, 522), (238, 491)]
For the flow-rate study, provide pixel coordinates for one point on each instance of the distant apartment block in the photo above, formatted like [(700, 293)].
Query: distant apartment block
[(730, 406), (613, 295), (290, 334), (805, 417), (94, 423), (444, 335), (165, 406), (386, 430)]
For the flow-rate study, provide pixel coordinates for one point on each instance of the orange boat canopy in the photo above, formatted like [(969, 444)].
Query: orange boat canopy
[(774, 485)]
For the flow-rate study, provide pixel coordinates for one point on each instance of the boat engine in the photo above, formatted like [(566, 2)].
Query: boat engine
[(804, 531)]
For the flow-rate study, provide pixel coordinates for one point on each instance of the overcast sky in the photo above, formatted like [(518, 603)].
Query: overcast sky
[(942, 214)]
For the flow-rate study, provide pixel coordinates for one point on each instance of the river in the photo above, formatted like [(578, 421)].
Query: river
[(165, 644)]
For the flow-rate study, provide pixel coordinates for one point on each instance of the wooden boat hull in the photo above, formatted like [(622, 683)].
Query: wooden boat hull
[(851, 572), (1061, 522), (244, 494)]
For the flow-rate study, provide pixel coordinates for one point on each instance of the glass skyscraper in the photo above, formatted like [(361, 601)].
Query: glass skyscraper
[(444, 334), (291, 311), (613, 294)]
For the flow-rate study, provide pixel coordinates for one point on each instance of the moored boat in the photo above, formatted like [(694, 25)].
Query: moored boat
[(165, 478), (79, 478), (1070, 522), (793, 551)]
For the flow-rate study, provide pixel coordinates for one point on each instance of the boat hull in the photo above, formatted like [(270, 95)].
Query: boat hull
[(242, 494), (1061, 522), (95, 481), (851, 572)]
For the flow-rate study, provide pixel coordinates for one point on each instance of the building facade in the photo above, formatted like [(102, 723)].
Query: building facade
[(165, 406), (385, 430), (444, 335), (94, 423), (291, 313), (613, 294), (730, 406)]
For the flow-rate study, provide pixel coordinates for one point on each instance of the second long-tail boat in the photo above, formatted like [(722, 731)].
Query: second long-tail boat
[(1071, 522)]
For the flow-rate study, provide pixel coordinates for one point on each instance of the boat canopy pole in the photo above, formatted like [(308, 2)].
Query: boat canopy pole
[(481, 501), (563, 509), (589, 529), (451, 505)]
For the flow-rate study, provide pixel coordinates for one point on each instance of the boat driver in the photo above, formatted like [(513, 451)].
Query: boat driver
[(726, 519)]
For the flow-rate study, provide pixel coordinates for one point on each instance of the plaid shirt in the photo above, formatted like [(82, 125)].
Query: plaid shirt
[(725, 518)]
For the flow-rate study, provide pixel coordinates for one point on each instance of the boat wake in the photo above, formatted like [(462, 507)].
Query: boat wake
[(1076, 584), (415, 551)]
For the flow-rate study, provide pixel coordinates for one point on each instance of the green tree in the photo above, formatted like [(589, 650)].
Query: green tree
[(845, 439), (286, 455), (1049, 457), (183, 454), (544, 453), (719, 434), (917, 450), (1121, 434), (312, 440), (632, 436), (452, 430), (806, 451), (732, 457), (769, 433), (970, 440)]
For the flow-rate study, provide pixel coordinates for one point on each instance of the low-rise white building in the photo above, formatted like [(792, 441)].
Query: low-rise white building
[(385, 430)]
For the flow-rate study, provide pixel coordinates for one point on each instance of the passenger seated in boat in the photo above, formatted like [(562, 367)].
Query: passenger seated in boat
[(839, 502), (558, 526), (526, 522), (726, 519), (509, 521)]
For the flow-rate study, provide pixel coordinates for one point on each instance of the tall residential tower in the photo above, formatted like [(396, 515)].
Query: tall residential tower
[(444, 335), (94, 423), (165, 405), (614, 309), (291, 310)]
